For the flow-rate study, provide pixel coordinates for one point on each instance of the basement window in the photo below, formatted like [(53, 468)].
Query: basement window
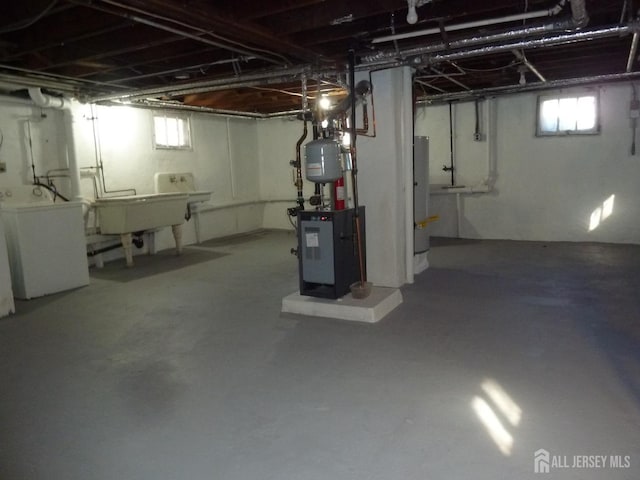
[(171, 131), (568, 115)]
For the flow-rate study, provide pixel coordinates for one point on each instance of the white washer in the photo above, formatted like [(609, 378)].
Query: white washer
[(46, 246), (6, 294)]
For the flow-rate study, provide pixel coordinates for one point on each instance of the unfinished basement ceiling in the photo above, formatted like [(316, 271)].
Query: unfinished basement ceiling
[(250, 55)]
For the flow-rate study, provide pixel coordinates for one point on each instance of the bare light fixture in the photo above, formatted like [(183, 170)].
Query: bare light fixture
[(523, 79), (324, 102), (412, 15)]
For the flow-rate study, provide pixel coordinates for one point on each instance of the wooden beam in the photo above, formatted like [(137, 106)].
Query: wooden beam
[(204, 16), (261, 9)]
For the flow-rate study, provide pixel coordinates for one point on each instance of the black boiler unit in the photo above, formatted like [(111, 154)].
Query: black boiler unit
[(328, 251)]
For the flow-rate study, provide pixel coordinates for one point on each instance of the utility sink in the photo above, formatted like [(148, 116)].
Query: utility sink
[(125, 215), (168, 182)]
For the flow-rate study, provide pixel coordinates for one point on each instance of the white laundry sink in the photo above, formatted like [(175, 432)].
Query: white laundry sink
[(136, 213), (168, 182)]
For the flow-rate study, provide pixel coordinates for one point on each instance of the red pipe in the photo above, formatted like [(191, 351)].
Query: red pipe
[(339, 194)]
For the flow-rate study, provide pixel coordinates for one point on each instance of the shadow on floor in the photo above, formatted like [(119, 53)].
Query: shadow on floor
[(451, 242), (150, 265), (235, 239)]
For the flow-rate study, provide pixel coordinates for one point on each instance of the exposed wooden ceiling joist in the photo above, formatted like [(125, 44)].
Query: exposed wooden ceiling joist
[(244, 55)]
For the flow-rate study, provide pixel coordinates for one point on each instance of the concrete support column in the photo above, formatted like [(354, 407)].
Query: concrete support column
[(385, 178)]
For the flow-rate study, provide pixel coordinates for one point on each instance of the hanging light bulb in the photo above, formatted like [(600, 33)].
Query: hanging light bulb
[(325, 103), (523, 79), (412, 15)]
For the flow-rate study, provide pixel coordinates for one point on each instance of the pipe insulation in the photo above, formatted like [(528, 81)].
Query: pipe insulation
[(558, 39), (579, 13), (511, 89), (363, 88)]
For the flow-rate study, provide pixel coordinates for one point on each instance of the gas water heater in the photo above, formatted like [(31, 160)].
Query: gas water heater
[(328, 257)]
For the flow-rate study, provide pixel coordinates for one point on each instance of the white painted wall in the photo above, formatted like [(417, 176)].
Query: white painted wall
[(277, 139), (16, 119), (224, 158), (546, 188)]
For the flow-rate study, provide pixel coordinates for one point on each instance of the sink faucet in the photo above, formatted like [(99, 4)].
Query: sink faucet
[(173, 179)]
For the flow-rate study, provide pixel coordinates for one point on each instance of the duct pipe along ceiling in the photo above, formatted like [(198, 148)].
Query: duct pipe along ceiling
[(461, 49), (236, 81), (479, 23), (548, 41), (518, 38), (167, 52), (509, 89)]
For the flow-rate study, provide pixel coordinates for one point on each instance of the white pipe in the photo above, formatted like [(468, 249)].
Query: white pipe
[(406, 126), (58, 103), (15, 100), (46, 101), (467, 25), (458, 215), (74, 170), (449, 190), (232, 179), (492, 132), (489, 182)]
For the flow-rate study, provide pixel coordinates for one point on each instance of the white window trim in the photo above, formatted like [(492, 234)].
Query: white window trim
[(188, 133), (570, 94)]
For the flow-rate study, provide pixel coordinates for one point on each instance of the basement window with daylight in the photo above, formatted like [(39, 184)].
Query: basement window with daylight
[(171, 131), (568, 115)]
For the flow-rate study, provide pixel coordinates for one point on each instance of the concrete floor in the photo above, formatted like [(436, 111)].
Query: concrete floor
[(183, 368)]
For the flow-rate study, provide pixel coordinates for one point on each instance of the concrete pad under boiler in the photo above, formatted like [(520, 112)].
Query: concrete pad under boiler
[(372, 309)]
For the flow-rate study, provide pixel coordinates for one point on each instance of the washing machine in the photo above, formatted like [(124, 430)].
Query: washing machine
[(46, 247)]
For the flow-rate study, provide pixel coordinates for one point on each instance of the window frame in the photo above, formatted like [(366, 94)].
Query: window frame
[(188, 135), (562, 95)]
